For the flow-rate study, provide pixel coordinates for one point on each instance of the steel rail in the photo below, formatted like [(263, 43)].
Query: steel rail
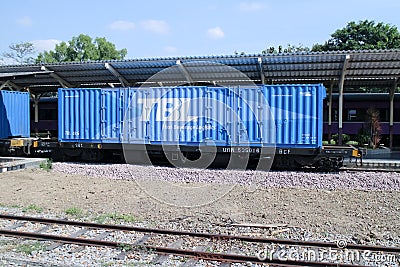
[(201, 235), (369, 169), (209, 256)]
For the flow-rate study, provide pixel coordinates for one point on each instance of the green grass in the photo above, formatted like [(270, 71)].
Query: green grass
[(33, 207), (125, 247), (7, 242), (74, 211), (46, 165), (29, 248), (115, 218), (10, 206)]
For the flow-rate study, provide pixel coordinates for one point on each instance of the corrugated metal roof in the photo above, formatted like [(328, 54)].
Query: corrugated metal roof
[(379, 68)]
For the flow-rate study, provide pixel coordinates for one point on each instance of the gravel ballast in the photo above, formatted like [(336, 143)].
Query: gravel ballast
[(359, 207), (328, 181)]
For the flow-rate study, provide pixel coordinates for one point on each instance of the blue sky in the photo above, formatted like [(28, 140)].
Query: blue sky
[(187, 28)]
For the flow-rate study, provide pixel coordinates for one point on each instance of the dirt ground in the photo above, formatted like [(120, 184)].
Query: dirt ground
[(348, 212)]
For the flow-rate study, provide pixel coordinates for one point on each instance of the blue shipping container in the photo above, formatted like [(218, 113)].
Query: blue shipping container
[(298, 114), (288, 115), (14, 114)]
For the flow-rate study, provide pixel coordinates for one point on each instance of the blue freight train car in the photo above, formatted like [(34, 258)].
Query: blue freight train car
[(165, 120), (14, 114), (14, 123)]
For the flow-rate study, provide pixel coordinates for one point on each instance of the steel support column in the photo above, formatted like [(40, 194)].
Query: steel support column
[(391, 112), (36, 99), (330, 111), (260, 66), (341, 84)]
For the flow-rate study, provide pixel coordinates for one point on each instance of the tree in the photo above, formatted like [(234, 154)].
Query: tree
[(375, 126), (21, 53), (82, 48), (107, 50), (289, 49), (363, 35)]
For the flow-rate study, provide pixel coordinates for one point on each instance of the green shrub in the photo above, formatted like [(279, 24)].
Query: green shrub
[(29, 248), (363, 136), (33, 207), (352, 143), (74, 211), (46, 165), (345, 138), (116, 218)]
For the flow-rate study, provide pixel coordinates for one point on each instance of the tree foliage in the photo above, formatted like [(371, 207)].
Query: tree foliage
[(82, 48), (364, 35), (288, 49), (21, 53)]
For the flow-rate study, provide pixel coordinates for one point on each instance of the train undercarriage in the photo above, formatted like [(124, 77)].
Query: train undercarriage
[(327, 158)]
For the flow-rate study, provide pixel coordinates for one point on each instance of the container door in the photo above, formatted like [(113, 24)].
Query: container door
[(246, 125), (218, 115), (134, 121), (110, 115)]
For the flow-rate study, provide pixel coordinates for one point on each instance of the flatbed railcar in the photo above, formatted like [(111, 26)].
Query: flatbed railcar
[(182, 124)]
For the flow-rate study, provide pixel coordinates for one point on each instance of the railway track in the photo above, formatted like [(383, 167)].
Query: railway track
[(369, 169), (143, 243)]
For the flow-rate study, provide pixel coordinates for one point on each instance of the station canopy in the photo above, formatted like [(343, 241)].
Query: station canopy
[(350, 69)]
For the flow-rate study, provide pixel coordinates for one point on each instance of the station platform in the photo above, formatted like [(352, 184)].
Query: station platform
[(16, 163), (384, 159), (381, 163)]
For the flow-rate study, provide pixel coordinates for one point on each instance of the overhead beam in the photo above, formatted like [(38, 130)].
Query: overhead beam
[(260, 66), (22, 73), (11, 85), (124, 82), (62, 81), (185, 72), (341, 84), (4, 84)]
